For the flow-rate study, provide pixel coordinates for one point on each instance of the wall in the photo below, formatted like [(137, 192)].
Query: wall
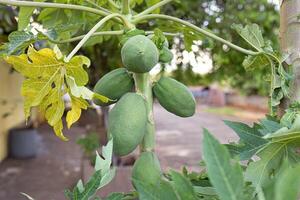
[(11, 105)]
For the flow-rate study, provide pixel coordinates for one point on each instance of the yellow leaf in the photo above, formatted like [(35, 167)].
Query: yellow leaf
[(74, 114), (46, 71), (58, 127)]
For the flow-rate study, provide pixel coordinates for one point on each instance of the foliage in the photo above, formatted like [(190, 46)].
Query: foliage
[(218, 16), (269, 148), (48, 78), (102, 176)]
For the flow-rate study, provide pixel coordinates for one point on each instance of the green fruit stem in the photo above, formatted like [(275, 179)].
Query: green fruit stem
[(143, 86)]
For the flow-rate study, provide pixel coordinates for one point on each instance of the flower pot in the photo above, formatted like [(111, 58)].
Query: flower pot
[(23, 143)]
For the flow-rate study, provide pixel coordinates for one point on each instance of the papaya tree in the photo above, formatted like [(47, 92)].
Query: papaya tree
[(50, 74)]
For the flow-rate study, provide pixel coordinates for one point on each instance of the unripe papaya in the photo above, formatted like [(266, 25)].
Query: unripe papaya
[(139, 54), (147, 169), (165, 55), (175, 97), (114, 85), (127, 122)]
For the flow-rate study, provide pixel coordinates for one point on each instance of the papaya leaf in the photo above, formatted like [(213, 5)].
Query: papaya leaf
[(182, 186), (285, 134), (44, 87), (18, 41), (251, 34), (115, 196), (163, 190), (24, 17), (282, 147), (254, 62), (102, 176), (287, 185), (74, 114), (250, 142), (159, 38), (225, 176)]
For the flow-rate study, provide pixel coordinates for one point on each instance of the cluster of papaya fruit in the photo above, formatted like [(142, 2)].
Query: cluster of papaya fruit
[(128, 118)]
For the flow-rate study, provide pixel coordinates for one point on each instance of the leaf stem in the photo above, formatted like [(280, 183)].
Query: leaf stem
[(195, 28), (54, 5), (97, 6), (90, 33), (152, 8), (126, 7), (101, 33), (113, 4)]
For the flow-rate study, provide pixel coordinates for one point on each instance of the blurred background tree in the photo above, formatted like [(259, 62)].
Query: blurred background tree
[(218, 16)]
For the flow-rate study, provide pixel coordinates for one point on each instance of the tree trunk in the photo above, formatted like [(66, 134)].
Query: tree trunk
[(290, 43)]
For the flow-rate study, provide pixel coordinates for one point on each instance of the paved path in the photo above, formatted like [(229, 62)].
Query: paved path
[(56, 168), (179, 140), (58, 165)]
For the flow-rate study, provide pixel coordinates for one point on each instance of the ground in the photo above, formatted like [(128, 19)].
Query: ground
[(58, 165)]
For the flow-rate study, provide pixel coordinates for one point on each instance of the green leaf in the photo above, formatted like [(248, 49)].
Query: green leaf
[(159, 38), (104, 164), (207, 191), (18, 41), (44, 86), (163, 190), (253, 62), (225, 176), (285, 134), (250, 140), (91, 186), (115, 196), (252, 35), (182, 186), (270, 158), (287, 185), (102, 176), (282, 146), (24, 17)]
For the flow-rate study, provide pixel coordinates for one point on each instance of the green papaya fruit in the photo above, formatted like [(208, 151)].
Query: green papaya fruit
[(165, 55), (175, 97), (127, 122), (114, 85), (139, 54), (147, 169)]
